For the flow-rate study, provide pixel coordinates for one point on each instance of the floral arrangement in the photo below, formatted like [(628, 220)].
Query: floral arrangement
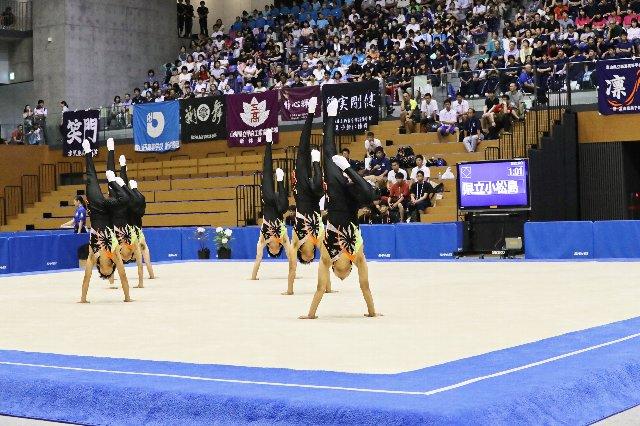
[(223, 238), (202, 236)]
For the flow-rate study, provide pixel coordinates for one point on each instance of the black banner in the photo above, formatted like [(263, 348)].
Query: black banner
[(78, 126), (358, 105), (203, 119)]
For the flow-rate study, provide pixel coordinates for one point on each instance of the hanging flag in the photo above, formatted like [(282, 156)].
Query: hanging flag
[(358, 104), (78, 126), (294, 102), (156, 126), (249, 115), (203, 119), (618, 84)]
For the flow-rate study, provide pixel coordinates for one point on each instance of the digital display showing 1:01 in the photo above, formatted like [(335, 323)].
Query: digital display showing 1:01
[(516, 171)]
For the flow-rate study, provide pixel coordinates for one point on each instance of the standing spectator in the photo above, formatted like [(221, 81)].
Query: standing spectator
[(40, 114), (448, 120), (472, 131), (127, 105), (180, 11), (371, 144), (64, 107), (7, 19), (395, 170), (27, 119), (188, 18), (203, 12), (419, 194), (17, 136), (399, 195)]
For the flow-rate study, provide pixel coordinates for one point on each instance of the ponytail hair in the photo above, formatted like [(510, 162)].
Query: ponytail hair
[(81, 200)]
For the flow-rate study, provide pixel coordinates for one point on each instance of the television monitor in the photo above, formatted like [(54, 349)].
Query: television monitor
[(493, 185)]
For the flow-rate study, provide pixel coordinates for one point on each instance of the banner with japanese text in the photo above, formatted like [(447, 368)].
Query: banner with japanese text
[(618, 84), (249, 115), (156, 126), (294, 102), (203, 119), (358, 105), (78, 126)]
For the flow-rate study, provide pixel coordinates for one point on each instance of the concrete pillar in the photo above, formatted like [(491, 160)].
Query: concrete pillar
[(99, 48)]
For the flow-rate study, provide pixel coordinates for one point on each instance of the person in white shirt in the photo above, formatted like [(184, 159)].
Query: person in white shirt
[(413, 25), (216, 70), (185, 75), (461, 106), (371, 143), (201, 86), (479, 8), (420, 167), (448, 120), (428, 111), (228, 90), (395, 168), (249, 71), (319, 71)]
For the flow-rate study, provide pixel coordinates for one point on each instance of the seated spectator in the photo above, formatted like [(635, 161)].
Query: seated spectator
[(489, 103), (429, 113), (500, 116), (472, 131), (355, 165), (448, 119), (371, 144), (379, 166), (407, 108), (36, 136), (461, 106), (420, 167), (419, 197), (116, 112), (395, 169), (399, 196), (516, 99), (17, 136)]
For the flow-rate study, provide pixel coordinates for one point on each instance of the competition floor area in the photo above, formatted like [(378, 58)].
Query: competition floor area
[(459, 342)]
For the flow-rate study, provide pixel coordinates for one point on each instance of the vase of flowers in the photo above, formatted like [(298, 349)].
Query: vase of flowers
[(223, 242), (202, 236)]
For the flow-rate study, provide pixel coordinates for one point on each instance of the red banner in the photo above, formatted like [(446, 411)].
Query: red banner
[(294, 102), (249, 115)]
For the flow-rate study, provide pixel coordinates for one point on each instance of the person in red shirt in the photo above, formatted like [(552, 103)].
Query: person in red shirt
[(399, 195)]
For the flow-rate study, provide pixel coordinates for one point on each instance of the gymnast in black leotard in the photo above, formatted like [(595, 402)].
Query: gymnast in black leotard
[(342, 246), (137, 207), (103, 244), (308, 229), (273, 232)]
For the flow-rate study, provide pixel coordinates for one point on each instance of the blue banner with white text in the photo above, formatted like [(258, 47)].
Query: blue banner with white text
[(156, 126), (618, 84)]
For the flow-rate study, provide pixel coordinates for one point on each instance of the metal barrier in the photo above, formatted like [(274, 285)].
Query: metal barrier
[(30, 185), (248, 204), (48, 178), (13, 201)]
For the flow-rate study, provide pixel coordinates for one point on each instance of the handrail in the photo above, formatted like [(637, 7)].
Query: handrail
[(248, 201)]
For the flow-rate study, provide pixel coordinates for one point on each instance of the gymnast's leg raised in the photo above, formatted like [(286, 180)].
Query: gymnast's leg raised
[(103, 245), (273, 233), (342, 245)]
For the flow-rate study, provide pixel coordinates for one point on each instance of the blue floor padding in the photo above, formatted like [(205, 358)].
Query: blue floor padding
[(574, 390)]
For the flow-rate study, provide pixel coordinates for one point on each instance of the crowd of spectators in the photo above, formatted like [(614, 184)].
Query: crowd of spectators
[(470, 48), (32, 129)]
